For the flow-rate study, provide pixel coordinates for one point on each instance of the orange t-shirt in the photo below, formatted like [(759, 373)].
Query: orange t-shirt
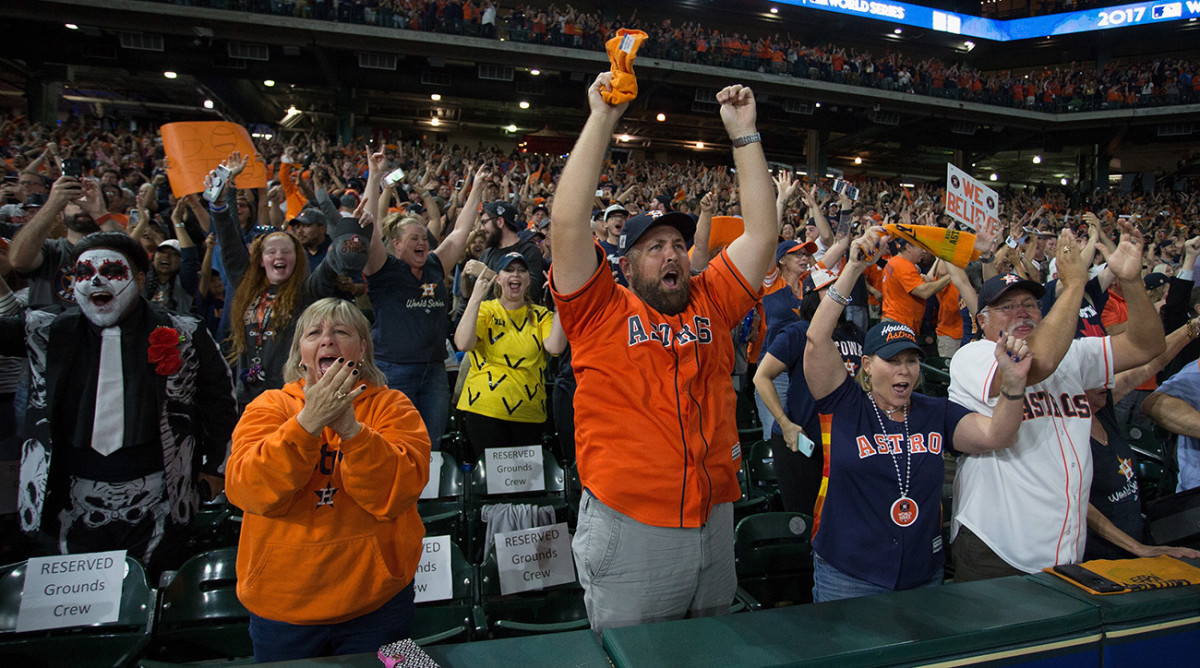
[(900, 277), (949, 321)]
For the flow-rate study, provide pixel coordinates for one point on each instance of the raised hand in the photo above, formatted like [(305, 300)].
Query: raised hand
[(235, 163), (738, 110), (596, 102), (1126, 261), (329, 398), (1014, 358), (1070, 266)]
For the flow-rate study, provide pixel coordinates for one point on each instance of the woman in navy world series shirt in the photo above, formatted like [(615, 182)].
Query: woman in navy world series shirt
[(878, 526)]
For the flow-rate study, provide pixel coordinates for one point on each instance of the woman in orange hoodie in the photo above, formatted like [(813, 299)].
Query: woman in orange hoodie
[(328, 471)]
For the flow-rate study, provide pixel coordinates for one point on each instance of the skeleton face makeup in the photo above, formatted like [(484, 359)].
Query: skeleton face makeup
[(105, 286)]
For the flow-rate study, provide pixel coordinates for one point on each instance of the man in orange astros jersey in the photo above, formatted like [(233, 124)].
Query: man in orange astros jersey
[(656, 437)]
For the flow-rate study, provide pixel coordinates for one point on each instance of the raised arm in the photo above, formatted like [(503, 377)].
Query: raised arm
[(979, 433), (1173, 414), (451, 250), (25, 253), (1143, 339), (376, 254), (751, 252), (824, 370), (466, 334), (700, 255), (572, 243)]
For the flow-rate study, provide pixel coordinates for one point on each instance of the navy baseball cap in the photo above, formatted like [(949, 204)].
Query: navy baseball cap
[(792, 246), (505, 212), (509, 258), (888, 339), (309, 216), (997, 286), (1154, 280), (664, 200), (635, 227)]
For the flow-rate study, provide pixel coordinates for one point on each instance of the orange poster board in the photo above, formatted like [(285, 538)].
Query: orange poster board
[(195, 148)]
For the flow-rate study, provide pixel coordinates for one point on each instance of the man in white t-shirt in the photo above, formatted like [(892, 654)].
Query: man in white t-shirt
[(1023, 509)]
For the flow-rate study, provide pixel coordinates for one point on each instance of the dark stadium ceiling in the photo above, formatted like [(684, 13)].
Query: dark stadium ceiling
[(330, 71)]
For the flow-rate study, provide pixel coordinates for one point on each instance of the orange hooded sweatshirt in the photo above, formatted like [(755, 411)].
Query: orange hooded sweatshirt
[(331, 530)]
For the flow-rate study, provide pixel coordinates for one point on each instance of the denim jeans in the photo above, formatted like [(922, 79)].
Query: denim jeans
[(428, 387), (280, 641), (830, 584)]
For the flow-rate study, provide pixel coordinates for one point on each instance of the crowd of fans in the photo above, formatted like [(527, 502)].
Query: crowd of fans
[(1062, 88), (447, 249)]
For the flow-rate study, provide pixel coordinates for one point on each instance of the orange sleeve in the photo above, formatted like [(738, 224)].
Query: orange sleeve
[(272, 456), (295, 199), (386, 465)]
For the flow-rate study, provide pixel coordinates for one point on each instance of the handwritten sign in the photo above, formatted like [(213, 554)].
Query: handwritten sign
[(517, 469), (970, 202), (533, 559), (195, 148), (71, 590), (433, 487), (433, 581)]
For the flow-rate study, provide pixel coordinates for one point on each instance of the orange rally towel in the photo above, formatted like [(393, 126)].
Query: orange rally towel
[(957, 248), (1138, 574), (622, 51)]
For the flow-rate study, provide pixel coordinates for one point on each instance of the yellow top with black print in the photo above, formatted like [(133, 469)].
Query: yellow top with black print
[(505, 380)]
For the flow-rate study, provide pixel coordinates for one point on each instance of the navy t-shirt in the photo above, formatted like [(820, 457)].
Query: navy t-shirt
[(788, 347), (780, 309), (854, 530), (1114, 489), (411, 317), (1090, 308), (613, 254)]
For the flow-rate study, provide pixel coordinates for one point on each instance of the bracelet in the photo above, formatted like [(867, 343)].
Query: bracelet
[(987, 257), (836, 296), (747, 139), (1192, 330), (1011, 397)]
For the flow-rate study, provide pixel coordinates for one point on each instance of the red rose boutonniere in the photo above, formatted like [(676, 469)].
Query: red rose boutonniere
[(163, 352)]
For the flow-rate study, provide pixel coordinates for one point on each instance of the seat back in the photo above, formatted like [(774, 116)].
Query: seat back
[(551, 610), (760, 467), (451, 620), (115, 643), (773, 543), (199, 614)]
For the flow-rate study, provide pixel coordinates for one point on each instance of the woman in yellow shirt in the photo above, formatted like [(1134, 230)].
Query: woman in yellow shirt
[(503, 402)]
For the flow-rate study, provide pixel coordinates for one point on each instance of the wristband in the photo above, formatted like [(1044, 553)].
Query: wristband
[(1011, 397), (836, 296), (747, 139), (987, 257), (217, 208), (103, 219), (1192, 330)]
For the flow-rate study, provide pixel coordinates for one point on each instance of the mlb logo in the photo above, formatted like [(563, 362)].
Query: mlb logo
[(1173, 10)]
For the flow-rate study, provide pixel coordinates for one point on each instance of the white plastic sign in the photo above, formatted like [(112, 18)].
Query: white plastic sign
[(532, 559), (970, 202), (433, 580), (433, 486), (516, 469), (71, 590)]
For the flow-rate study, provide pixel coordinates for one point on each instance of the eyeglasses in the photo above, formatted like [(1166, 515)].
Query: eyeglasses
[(1029, 306)]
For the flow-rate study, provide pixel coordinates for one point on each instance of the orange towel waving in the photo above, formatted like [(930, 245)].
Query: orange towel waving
[(622, 51), (953, 246)]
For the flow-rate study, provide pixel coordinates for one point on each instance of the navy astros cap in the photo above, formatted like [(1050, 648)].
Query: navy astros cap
[(635, 227), (792, 246), (1154, 280), (997, 286), (509, 258), (888, 339), (505, 212)]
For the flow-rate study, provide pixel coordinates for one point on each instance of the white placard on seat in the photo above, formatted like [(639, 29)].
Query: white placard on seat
[(517, 469), (433, 581), (533, 559), (71, 590), (433, 487)]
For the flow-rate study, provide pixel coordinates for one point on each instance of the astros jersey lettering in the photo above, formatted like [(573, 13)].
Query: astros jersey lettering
[(655, 428), (854, 529), (1029, 502)]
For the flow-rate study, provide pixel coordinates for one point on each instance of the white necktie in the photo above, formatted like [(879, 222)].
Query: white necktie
[(108, 427)]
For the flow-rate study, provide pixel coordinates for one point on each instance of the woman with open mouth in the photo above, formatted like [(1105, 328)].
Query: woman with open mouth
[(877, 525), (328, 471), (273, 285), (503, 402)]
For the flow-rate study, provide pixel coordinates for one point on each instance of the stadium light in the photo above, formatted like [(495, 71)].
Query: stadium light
[(208, 104), (269, 83), (1037, 159), (699, 144), (436, 97), (857, 160), (291, 117), (523, 104), (170, 75), (71, 26), (510, 127), (993, 177), (435, 122), (1063, 181), (535, 72), (661, 117), (774, 10)]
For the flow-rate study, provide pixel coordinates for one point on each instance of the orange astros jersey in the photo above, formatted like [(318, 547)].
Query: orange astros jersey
[(655, 431)]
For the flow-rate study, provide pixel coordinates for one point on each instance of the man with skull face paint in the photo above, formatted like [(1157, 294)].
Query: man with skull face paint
[(155, 408)]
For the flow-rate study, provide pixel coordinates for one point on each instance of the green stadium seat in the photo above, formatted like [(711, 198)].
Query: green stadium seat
[(456, 619), (199, 615), (773, 556)]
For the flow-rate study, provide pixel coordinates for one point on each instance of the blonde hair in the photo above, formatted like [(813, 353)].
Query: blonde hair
[(395, 224), (864, 379), (342, 312)]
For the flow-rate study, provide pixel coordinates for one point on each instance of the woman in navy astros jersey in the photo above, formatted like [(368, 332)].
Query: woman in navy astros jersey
[(878, 526)]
